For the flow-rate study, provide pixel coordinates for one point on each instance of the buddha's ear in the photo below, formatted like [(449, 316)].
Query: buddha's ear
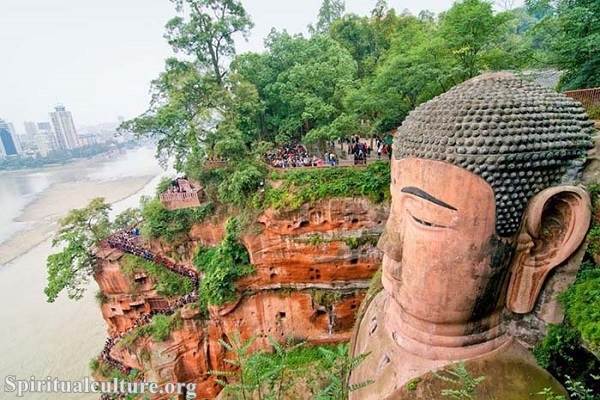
[(555, 225)]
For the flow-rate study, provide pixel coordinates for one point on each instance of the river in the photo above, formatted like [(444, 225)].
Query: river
[(59, 339)]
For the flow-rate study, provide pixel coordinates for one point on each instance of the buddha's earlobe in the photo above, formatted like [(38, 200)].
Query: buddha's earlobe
[(555, 225)]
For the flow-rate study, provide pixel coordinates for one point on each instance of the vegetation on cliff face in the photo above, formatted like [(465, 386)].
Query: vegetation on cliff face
[(297, 187), (106, 371), (170, 225), (566, 349), (222, 266), (288, 370), (159, 329), (78, 236), (168, 283)]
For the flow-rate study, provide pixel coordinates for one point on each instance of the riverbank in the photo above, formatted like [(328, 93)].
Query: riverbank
[(57, 339), (42, 215), (33, 201)]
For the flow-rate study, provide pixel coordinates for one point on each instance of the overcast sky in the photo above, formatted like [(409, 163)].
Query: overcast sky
[(97, 57)]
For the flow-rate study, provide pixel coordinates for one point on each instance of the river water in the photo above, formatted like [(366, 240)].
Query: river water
[(59, 339)]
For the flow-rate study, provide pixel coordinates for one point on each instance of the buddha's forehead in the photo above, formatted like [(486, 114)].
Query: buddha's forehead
[(517, 136), (442, 183)]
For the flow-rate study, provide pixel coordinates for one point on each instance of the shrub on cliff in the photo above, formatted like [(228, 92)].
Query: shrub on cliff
[(168, 283), (297, 187), (289, 370), (170, 225), (159, 329), (241, 183), (582, 306), (222, 265)]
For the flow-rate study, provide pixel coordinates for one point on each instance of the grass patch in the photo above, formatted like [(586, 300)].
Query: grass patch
[(325, 298), (308, 185), (594, 112), (101, 298), (108, 372), (362, 240), (159, 329), (168, 283)]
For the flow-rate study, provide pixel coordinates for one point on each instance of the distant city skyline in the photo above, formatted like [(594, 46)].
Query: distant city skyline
[(98, 58)]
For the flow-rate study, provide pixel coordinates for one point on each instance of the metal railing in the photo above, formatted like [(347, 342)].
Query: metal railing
[(590, 98)]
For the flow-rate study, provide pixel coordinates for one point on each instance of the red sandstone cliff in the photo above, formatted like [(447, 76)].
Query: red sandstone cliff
[(312, 268)]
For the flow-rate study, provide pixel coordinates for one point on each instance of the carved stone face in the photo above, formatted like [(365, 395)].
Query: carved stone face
[(443, 260), (481, 214)]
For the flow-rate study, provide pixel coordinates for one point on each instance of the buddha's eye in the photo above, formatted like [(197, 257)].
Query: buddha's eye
[(426, 223), (427, 214)]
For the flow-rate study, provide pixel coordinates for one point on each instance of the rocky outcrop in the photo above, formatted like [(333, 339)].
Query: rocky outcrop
[(313, 266)]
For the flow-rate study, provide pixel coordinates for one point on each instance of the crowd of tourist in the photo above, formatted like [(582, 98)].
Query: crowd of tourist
[(180, 185), (360, 151), (296, 155), (292, 156), (129, 242)]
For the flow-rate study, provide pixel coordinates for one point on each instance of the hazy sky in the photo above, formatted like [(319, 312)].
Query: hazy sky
[(97, 57)]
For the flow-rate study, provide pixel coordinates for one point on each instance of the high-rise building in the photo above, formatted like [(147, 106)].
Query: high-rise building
[(8, 141), (46, 139), (64, 128), (30, 128)]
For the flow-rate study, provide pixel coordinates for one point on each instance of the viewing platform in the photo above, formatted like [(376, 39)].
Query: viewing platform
[(182, 194)]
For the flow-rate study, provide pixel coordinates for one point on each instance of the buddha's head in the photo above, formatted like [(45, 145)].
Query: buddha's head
[(483, 198)]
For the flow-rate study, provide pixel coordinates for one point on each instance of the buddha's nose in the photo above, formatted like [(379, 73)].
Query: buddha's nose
[(391, 241)]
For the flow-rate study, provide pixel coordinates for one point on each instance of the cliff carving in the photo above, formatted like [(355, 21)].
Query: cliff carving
[(312, 268)]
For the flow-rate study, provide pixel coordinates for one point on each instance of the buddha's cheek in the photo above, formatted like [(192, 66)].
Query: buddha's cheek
[(442, 274)]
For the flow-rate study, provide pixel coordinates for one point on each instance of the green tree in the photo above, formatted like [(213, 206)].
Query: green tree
[(126, 219), (190, 97), (470, 29), (575, 42), (181, 113), (381, 8), (205, 30), (330, 11), (359, 36), (416, 68), (78, 235), (301, 83)]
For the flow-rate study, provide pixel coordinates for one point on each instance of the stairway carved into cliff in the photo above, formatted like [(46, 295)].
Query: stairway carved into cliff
[(129, 242)]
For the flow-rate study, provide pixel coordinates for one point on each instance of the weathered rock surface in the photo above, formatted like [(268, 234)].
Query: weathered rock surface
[(313, 266)]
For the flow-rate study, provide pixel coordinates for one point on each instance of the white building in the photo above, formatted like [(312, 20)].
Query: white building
[(46, 139), (64, 128)]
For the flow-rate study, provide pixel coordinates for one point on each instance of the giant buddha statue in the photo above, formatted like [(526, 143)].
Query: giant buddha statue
[(485, 204)]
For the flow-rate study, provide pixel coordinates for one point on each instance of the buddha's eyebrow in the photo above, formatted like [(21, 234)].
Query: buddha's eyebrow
[(426, 196)]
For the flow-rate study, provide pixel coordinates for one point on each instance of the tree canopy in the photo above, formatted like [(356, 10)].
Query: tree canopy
[(571, 30), (205, 28), (352, 75), (79, 234)]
